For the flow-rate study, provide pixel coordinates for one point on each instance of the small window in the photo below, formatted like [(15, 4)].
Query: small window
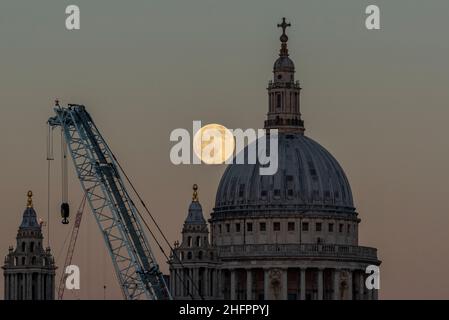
[(318, 226), (189, 255), (277, 192), (263, 193), (32, 246), (263, 226), (305, 226), (198, 241), (200, 255), (219, 228), (276, 226), (228, 227), (249, 227), (290, 192), (340, 228), (189, 241), (23, 246), (291, 226), (349, 228), (331, 227), (23, 261), (237, 227)]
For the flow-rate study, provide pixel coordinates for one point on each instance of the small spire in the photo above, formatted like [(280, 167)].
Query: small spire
[(30, 199), (284, 25), (195, 193)]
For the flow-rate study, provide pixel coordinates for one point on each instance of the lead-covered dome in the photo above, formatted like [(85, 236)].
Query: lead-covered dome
[(308, 179)]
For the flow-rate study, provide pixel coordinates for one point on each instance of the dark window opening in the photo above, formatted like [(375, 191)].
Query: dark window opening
[(249, 227), (237, 227), (291, 226), (318, 226), (305, 226), (276, 226), (263, 226), (331, 227)]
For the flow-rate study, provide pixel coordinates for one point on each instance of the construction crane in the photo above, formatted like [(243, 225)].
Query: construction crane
[(71, 248), (117, 217)]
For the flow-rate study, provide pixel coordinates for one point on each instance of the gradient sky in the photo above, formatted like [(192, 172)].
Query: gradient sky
[(377, 100)]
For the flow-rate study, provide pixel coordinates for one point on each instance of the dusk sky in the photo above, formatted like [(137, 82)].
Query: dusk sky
[(377, 100)]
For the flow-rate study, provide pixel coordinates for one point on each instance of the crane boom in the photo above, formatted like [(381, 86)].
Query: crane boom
[(116, 215), (71, 249)]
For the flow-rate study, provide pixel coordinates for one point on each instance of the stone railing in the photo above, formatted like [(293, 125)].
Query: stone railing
[(298, 250)]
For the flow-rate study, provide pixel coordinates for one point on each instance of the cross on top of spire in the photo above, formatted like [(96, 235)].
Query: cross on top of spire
[(284, 25)]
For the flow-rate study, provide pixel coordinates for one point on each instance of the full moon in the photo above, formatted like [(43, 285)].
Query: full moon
[(213, 144)]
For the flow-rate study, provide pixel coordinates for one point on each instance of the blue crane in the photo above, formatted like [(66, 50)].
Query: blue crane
[(114, 210)]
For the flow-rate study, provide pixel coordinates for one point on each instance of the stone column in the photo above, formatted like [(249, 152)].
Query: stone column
[(320, 284), (350, 285), (375, 294), (266, 285), (233, 293), (249, 284), (361, 286), (336, 285), (6, 287), (38, 291), (219, 285), (303, 283), (284, 284)]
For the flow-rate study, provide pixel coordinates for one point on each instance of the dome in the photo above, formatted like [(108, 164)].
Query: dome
[(309, 179), (284, 64)]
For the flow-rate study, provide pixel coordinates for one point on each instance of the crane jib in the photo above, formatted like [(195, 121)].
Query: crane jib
[(136, 267)]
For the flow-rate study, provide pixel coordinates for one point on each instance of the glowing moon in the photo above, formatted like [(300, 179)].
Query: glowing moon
[(213, 144)]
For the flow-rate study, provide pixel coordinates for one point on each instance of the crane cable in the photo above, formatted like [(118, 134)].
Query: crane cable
[(50, 157), (154, 221)]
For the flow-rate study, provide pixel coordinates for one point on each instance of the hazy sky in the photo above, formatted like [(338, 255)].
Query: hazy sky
[(378, 100)]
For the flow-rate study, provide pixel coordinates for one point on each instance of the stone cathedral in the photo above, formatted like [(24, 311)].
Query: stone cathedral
[(292, 235), (29, 269)]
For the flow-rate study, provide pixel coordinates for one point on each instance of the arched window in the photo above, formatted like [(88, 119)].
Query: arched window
[(189, 241), (23, 246), (198, 241), (189, 255), (23, 261), (200, 255), (33, 261), (32, 246)]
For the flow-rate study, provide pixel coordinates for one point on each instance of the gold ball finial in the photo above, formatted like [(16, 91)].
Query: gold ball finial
[(30, 199), (195, 192)]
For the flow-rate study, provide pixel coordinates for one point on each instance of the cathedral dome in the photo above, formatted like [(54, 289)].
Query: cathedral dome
[(308, 179)]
